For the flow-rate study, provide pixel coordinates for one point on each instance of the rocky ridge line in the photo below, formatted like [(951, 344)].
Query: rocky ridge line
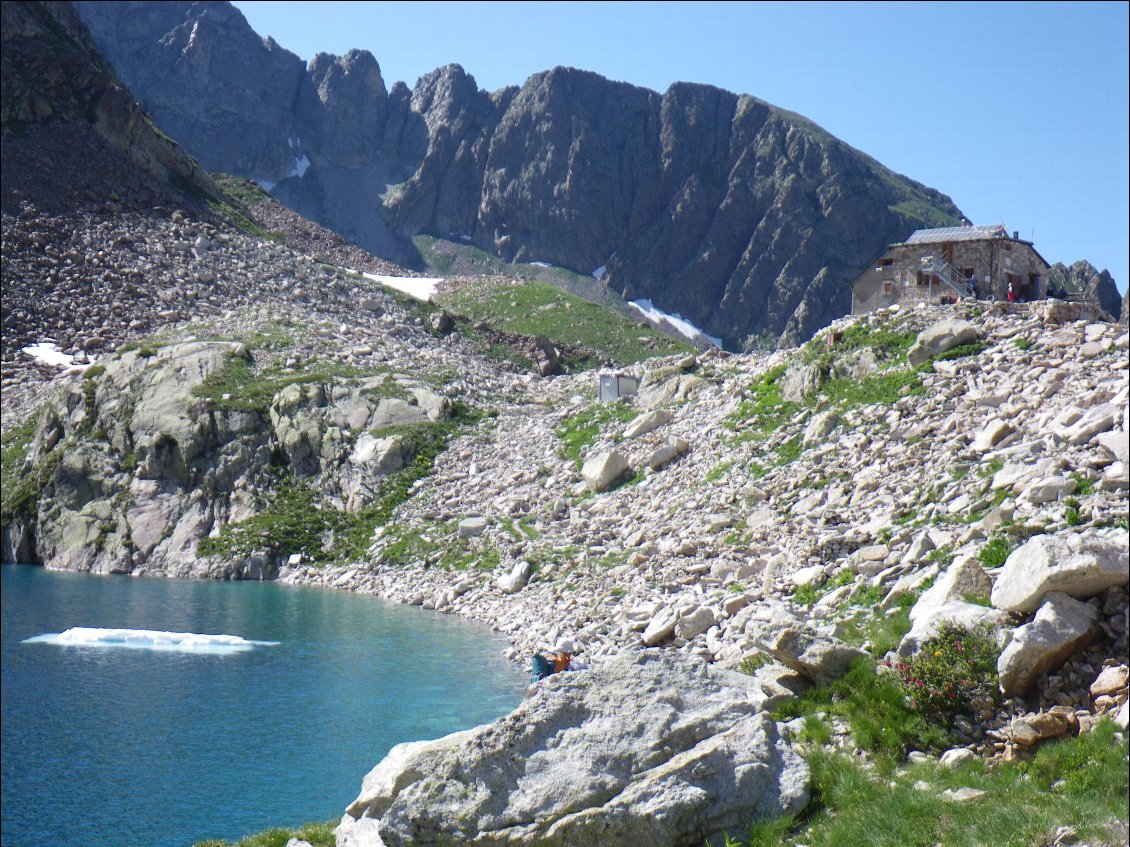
[(745, 218)]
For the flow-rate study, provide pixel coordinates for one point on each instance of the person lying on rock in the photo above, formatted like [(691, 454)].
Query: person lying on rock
[(560, 658)]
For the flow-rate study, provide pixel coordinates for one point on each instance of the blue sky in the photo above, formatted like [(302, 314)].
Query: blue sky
[(1018, 111)]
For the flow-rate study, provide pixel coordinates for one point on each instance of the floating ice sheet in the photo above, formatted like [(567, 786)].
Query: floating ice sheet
[(149, 639)]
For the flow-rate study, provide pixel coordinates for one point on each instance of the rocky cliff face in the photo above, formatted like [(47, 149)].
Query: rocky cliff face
[(1098, 285), (747, 219), (54, 77)]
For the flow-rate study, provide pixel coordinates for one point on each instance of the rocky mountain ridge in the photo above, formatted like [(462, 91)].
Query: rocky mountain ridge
[(746, 219), (1095, 284)]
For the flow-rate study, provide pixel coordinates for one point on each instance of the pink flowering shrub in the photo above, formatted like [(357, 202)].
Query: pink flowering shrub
[(951, 670)]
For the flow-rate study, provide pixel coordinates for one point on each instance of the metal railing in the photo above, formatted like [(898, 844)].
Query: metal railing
[(947, 273)]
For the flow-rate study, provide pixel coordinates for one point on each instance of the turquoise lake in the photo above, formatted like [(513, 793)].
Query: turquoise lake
[(120, 746)]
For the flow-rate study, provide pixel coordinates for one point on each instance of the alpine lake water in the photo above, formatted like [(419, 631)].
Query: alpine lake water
[(152, 740)]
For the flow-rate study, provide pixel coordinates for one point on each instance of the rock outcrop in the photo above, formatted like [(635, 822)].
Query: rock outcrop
[(1060, 628), (942, 336), (1085, 278), (649, 748), (1079, 565), (146, 463), (746, 219)]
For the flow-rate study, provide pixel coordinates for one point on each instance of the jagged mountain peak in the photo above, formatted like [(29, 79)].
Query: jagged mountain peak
[(749, 219)]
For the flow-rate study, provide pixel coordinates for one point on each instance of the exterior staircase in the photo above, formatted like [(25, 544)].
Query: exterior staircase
[(947, 273)]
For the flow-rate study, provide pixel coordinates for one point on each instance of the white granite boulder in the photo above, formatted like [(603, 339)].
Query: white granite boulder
[(1080, 565), (942, 336), (1060, 628), (647, 422), (650, 748), (1048, 489), (961, 581), (603, 469), (819, 657), (472, 527), (667, 452), (516, 579), (992, 434), (820, 427)]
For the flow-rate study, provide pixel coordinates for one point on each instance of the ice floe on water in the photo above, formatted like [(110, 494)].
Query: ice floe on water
[(149, 639), (684, 327), (422, 288)]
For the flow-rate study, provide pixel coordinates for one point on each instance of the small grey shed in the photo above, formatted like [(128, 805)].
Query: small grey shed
[(614, 386)]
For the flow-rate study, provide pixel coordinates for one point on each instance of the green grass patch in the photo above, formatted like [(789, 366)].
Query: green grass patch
[(230, 205), (438, 545), (294, 521), (882, 388), (578, 432), (991, 468), (244, 191), (961, 351), (1085, 486), (875, 707), (994, 552), (886, 343), (868, 596), (885, 806), (717, 472), (879, 633), (764, 411), (536, 308), (317, 834), (1071, 512), (788, 452), (809, 593), (20, 491), (240, 386), (750, 664)]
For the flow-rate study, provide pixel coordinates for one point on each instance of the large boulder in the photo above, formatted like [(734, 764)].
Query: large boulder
[(816, 656), (651, 748), (1080, 565), (603, 469), (961, 581), (647, 422), (942, 336), (820, 427), (1062, 627)]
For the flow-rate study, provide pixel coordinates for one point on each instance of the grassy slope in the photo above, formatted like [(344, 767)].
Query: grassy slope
[(537, 308)]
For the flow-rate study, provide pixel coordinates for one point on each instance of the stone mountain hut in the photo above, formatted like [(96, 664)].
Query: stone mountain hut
[(941, 265)]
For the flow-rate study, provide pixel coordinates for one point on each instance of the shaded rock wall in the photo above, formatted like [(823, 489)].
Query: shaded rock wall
[(54, 76), (747, 219)]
